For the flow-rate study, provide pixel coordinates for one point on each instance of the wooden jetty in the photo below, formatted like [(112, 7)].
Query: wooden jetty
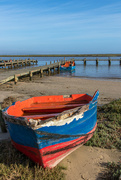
[(16, 63), (11, 75), (97, 60)]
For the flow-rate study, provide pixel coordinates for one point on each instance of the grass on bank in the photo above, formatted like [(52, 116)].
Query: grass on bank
[(14, 165), (108, 134), (113, 171)]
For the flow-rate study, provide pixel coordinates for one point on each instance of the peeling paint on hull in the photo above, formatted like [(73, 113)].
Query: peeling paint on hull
[(49, 141)]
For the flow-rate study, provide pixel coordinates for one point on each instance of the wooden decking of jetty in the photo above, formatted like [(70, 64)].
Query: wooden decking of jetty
[(16, 74), (16, 63), (97, 60)]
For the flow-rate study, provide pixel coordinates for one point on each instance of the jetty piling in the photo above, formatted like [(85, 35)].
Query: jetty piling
[(84, 61), (36, 70), (16, 63), (97, 60)]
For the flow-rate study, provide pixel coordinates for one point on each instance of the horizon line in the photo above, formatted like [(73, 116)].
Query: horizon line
[(63, 55)]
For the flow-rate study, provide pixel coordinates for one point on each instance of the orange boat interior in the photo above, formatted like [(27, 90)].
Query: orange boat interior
[(45, 107), (67, 64)]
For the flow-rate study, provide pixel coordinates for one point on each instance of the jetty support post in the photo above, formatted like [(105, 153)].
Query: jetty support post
[(41, 73), (5, 65), (53, 69), (29, 61), (109, 61), (120, 61), (48, 71), (96, 61), (17, 62), (59, 68), (22, 62), (36, 61), (2, 123), (11, 65), (25, 62), (15, 79), (30, 75), (84, 61)]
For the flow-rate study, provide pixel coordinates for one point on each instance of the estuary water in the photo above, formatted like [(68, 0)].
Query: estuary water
[(90, 70)]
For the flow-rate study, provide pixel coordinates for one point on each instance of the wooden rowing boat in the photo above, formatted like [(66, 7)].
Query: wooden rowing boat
[(48, 128), (69, 66)]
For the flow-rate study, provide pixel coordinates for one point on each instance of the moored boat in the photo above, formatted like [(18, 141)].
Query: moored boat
[(69, 66), (48, 128)]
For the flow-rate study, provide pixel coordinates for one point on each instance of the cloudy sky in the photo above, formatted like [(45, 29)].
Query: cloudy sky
[(60, 26)]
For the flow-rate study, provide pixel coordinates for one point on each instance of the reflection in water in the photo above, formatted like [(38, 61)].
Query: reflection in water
[(102, 70)]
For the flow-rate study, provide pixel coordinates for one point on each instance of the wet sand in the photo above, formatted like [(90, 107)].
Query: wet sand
[(53, 85)]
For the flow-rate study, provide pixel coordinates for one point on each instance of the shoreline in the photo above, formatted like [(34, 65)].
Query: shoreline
[(116, 79), (57, 85)]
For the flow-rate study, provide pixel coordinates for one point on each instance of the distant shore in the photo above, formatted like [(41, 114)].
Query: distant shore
[(62, 55)]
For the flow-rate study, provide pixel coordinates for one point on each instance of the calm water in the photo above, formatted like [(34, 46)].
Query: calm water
[(103, 70)]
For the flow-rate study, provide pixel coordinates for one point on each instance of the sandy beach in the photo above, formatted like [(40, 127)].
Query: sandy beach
[(85, 162)]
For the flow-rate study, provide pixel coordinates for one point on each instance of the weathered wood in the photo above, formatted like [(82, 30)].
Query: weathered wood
[(109, 61), (5, 65), (84, 61), (49, 71), (2, 123), (15, 79), (17, 63), (41, 72), (29, 62), (36, 70), (59, 67), (11, 65), (30, 75), (96, 61), (6, 80), (53, 70)]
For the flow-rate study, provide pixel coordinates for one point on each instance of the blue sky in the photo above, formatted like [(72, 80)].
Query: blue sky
[(58, 26)]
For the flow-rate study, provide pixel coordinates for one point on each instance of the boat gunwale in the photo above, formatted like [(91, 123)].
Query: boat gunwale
[(35, 124)]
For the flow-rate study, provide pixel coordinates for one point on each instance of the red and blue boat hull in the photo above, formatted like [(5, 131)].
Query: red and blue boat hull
[(50, 142), (70, 68)]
